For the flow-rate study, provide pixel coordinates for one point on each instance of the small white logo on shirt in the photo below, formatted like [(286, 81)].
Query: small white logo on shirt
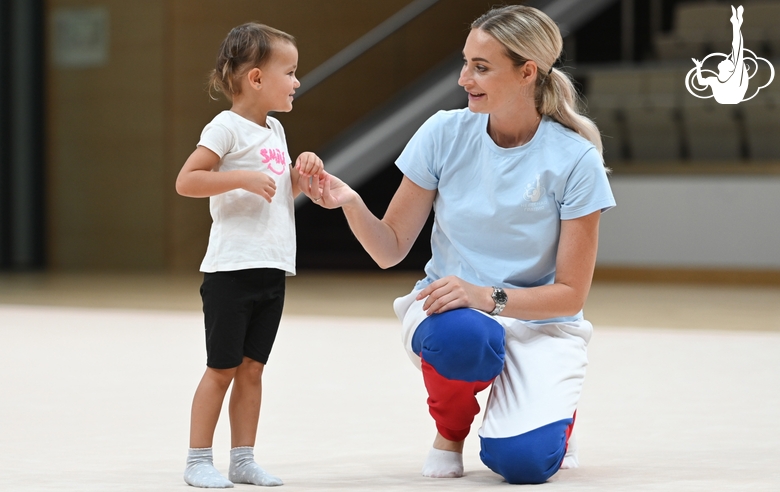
[(533, 192)]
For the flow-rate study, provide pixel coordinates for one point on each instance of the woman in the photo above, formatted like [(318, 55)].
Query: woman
[(517, 183)]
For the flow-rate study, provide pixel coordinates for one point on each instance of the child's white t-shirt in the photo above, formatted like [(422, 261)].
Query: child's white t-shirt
[(247, 231)]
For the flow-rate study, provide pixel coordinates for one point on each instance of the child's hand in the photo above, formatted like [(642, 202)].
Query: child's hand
[(308, 164), (260, 184)]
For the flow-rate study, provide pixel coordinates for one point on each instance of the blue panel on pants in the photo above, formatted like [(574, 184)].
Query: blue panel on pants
[(531, 457), (461, 344)]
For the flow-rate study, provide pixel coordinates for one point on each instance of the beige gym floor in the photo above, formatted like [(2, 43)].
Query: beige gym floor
[(683, 390)]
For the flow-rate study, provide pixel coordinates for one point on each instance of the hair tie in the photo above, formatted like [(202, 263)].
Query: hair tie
[(558, 63)]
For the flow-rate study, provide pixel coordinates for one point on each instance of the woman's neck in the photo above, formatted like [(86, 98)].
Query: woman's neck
[(513, 131)]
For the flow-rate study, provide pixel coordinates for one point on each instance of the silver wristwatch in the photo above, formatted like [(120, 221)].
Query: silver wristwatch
[(499, 297)]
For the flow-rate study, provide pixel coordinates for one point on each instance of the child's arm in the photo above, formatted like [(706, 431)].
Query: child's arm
[(197, 178), (307, 165)]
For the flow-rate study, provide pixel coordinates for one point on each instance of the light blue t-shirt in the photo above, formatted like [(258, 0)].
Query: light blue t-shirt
[(497, 210)]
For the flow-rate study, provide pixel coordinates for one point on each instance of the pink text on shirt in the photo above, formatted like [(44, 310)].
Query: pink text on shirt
[(275, 160)]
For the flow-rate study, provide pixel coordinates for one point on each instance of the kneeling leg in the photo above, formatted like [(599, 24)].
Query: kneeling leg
[(462, 352)]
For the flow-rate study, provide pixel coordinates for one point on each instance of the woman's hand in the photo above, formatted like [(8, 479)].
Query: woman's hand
[(327, 190), (452, 292), (388, 240)]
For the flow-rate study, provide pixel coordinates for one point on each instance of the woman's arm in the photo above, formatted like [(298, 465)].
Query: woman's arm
[(197, 178), (389, 240), (574, 272)]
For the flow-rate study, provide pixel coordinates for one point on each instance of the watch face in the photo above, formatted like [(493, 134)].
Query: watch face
[(500, 296)]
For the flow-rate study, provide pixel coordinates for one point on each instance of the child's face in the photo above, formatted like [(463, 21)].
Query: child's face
[(278, 79)]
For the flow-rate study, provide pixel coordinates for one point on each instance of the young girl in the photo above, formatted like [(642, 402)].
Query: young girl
[(241, 163)]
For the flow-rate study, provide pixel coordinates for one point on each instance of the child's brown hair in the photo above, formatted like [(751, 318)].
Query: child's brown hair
[(246, 46)]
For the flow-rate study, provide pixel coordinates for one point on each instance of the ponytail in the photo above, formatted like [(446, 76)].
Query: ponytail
[(222, 80), (557, 98)]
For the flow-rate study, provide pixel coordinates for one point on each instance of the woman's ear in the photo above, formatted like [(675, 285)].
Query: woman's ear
[(255, 78), (529, 70)]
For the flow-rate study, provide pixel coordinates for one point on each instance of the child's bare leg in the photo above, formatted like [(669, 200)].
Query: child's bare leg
[(244, 408), (206, 406), (245, 400)]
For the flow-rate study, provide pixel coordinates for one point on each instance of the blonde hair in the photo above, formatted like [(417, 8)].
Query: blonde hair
[(245, 47), (529, 34)]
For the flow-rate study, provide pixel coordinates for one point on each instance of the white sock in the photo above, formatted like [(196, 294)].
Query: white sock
[(243, 469), (443, 464), (200, 471), (570, 458)]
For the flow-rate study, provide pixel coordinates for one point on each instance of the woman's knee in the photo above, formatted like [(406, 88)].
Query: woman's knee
[(461, 344), (529, 458)]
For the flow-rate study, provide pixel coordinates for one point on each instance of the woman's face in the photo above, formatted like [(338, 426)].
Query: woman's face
[(491, 79)]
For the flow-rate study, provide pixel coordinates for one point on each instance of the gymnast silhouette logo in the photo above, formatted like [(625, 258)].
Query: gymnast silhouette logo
[(735, 70), (534, 191)]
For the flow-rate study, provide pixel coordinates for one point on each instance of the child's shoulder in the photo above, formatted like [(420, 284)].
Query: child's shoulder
[(224, 118), (222, 123), (221, 128)]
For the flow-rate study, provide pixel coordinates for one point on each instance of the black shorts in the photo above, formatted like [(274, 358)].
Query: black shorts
[(242, 310)]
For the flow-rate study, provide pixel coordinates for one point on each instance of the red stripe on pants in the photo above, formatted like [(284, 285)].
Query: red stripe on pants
[(452, 403), (570, 429)]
